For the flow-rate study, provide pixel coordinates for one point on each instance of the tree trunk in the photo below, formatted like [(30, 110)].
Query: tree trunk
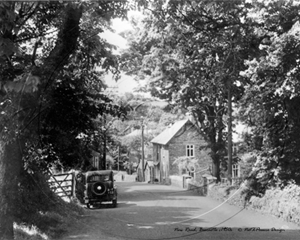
[(10, 166), (229, 170), (216, 166), (210, 136), (11, 149), (103, 162)]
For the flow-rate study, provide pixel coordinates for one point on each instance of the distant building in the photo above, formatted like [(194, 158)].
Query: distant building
[(96, 159)]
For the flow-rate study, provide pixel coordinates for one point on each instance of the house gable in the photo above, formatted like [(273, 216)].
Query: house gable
[(182, 140), (165, 137), (182, 144)]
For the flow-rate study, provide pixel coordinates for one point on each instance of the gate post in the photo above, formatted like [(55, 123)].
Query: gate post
[(73, 185), (205, 186)]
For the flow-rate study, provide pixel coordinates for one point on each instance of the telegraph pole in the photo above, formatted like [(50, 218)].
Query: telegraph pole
[(104, 154), (104, 144), (143, 154), (118, 157), (229, 174)]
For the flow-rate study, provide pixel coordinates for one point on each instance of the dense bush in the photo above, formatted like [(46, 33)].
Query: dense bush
[(280, 203)]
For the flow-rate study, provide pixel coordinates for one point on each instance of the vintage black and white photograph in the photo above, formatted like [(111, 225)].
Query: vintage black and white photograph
[(149, 119)]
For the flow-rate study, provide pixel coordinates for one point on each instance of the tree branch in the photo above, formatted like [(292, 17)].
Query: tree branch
[(30, 14)]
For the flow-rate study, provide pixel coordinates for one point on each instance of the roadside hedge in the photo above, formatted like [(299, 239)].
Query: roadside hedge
[(282, 203), (232, 194)]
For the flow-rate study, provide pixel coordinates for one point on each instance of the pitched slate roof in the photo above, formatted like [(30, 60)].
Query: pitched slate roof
[(165, 136)]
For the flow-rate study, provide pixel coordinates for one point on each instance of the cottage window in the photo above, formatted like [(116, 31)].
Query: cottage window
[(235, 170), (190, 150)]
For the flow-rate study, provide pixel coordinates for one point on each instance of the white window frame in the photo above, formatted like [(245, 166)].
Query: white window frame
[(235, 170), (190, 150)]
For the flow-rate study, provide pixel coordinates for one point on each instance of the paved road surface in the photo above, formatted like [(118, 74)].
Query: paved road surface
[(147, 211)]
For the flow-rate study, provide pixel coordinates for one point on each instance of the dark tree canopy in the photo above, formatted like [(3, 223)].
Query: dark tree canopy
[(50, 92)]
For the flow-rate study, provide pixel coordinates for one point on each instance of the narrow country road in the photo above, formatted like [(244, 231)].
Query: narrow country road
[(148, 211)]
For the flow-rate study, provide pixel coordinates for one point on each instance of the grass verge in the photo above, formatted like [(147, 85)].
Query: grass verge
[(51, 224)]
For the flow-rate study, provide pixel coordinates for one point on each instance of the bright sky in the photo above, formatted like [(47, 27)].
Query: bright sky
[(114, 38), (126, 83)]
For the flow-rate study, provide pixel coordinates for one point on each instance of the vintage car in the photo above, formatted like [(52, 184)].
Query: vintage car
[(95, 187)]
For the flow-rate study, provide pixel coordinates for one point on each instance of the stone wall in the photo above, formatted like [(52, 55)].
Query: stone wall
[(177, 181), (202, 187), (199, 189)]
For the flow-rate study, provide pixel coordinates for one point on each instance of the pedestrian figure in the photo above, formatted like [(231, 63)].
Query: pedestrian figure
[(122, 177)]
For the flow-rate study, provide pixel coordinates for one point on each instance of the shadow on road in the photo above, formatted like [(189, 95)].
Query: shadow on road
[(157, 212), (163, 223), (150, 192)]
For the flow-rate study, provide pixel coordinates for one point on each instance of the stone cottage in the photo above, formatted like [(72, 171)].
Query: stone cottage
[(179, 140)]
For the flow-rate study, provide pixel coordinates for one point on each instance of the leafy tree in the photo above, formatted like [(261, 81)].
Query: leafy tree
[(191, 52), (133, 142), (270, 104), (23, 70), (74, 140), (143, 109), (40, 55)]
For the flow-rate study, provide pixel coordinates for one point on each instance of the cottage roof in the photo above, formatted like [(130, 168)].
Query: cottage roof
[(164, 137)]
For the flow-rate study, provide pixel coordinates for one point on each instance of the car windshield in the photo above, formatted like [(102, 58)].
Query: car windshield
[(98, 178)]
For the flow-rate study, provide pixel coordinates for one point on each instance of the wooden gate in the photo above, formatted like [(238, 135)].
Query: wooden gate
[(62, 184)]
